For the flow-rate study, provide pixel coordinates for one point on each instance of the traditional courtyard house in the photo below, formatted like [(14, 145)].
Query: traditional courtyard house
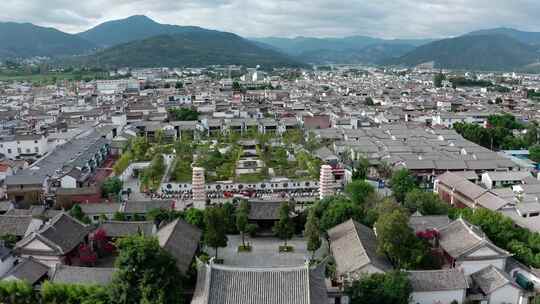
[(264, 214), (181, 240), (217, 284), (19, 226), (120, 229), (29, 270), (65, 274), (56, 242), (446, 286), (354, 247), (466, 246), (504, 179), (492, 285), (100, 211)]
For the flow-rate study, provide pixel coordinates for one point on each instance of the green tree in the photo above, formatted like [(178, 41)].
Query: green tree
[(534, 153), (76, 212), (183, 114), (369, 101), (361, 169), (178, 85), (402, 183), (195, 217), (284, 228), (112, 185), (215, 234), (335, 210), (146, 273), (438, 80), (398, 242), (242, 220), (426, 203), (387, 288), (312, 233), (230, 218), (16, 292), (359, 190), (9, 239), (119, 216), (139, 148), (53, 293)]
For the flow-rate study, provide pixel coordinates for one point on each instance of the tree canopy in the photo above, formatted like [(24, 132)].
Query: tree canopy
[(402, 182), (426, 203), (183, 114), (359, 190), (398, 242), (146, 273), (387, 288), (111, 186), (284, 227), (215, 233)]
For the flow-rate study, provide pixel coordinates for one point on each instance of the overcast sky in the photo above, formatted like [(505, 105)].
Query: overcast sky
[(290, 18)]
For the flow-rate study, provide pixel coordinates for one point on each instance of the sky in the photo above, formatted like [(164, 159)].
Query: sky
[(289, 18)]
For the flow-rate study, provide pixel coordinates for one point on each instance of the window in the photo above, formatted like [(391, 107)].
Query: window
[(19, 150), (9, 151), (35, 141), (27, 150), (36, 149)]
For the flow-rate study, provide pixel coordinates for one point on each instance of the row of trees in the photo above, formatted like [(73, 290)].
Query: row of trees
[(524, 244), (499, 134)]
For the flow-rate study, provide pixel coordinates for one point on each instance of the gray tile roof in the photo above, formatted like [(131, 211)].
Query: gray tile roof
[(437, 280), (81, 275), (117, 229), (139, 207), (18, 225), (181, 240), (62, 233), (460, 238), (278, 285), (354, 246), (428, 222), (29, 270), (490, 279), (264, 210)]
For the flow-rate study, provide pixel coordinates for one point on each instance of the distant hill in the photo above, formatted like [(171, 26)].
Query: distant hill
[(353, 49), (479, 52), (22, 40), (521, 36), (190, 49), (133, 28), (372, 54)]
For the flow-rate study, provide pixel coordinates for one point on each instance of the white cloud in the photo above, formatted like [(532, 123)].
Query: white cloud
[(396, 18)]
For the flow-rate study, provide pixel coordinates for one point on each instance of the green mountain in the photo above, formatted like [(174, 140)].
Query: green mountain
[(353, 49), (189, 49), (521, 36), (372, 54), (23, 40), (133, 28), (479, 52)]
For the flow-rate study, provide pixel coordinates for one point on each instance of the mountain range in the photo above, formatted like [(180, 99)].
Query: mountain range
[(28, 40), (139, 41), (353, 49), (479, 51)]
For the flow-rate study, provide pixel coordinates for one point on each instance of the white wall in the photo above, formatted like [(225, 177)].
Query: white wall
[(505, 295), (439, 297), (68, 182), (6, 265)]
